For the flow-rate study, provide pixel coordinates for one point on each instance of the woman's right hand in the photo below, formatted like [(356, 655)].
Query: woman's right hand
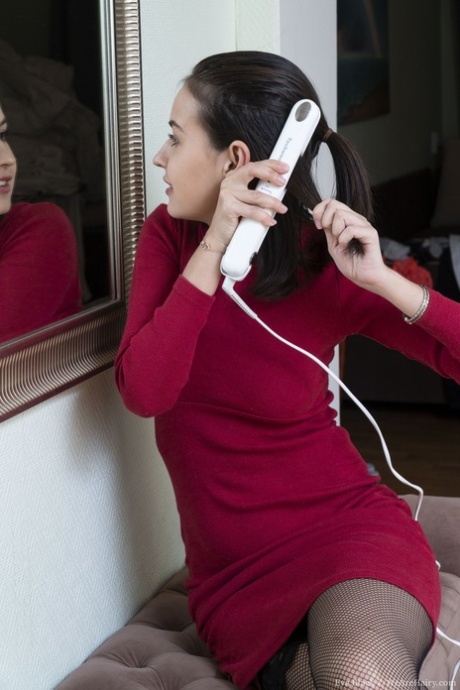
[(237, 201)]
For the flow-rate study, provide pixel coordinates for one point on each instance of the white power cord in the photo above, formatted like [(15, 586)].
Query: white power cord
[(454, 673), (228, 287)]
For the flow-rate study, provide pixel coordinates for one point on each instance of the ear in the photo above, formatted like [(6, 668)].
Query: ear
[(237, 155)]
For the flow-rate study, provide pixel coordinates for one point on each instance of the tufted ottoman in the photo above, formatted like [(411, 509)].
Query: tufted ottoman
[(159, 648)]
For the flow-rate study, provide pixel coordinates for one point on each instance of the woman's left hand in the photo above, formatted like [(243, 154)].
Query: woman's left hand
[(363, 263), (352, 241)]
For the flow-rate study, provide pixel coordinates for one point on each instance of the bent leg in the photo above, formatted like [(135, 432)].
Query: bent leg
[(367, 634)]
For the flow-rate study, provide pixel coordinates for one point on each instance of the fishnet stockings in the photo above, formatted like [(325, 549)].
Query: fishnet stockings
[(298, 676), (360, 634)]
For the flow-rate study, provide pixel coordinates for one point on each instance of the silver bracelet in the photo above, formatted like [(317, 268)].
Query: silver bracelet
[(422, 308)]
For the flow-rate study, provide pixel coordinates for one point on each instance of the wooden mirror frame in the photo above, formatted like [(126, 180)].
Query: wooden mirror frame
[(41, 364)]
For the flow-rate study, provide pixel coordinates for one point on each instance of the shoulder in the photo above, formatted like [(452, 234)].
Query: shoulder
[(37, 226), (42, 209), (38, 217), (346, 302), (364, 311)]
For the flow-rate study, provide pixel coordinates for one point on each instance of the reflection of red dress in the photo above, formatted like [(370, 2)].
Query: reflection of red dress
[(39, 272), (276, 504)]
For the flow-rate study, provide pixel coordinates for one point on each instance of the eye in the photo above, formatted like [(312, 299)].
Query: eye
[(4, 135), (172, 139)]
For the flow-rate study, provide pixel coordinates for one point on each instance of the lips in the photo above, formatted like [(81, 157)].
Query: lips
[(5, 185)]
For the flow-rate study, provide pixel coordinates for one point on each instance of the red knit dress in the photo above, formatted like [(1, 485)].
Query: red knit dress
[(276, 504), (39, 269)]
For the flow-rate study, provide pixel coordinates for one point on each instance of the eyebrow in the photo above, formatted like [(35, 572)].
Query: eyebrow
[(173, 123), (3, 122)]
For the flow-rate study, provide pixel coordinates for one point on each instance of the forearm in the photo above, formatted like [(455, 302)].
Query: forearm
[(203, 268), (154, 360), (404, 294)]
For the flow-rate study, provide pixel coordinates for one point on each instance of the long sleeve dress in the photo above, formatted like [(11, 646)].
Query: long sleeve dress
[(276, 504), (39, 270)]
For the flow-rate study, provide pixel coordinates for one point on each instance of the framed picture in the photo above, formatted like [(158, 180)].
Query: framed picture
[(363, 74)]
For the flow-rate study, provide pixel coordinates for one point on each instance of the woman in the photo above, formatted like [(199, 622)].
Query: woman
[(39, 272), (304, 572)]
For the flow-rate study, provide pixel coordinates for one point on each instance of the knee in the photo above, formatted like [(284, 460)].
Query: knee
[(363, 661)]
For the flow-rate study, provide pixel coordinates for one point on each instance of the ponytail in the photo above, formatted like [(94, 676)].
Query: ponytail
[(282, 253), (351, 177)]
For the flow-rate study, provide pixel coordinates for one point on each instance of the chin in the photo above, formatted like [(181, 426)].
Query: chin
[(183, 214), (176, 215), (5, 206)]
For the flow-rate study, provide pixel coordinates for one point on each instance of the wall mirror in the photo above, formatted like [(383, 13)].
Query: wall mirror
[(71, 93)]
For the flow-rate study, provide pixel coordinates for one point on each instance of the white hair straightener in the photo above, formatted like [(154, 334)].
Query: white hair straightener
[(292, 142)]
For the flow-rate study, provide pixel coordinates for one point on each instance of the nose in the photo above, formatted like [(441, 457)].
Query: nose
[(160, 158), (7, 158)]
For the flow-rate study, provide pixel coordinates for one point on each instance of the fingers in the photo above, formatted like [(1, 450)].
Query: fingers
[(269, 171), (330, 212), (247, 203), (237, 200), (345, 229)]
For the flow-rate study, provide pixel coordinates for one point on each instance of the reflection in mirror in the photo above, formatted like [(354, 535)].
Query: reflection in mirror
[(39, 270), (51, 94), (70, 88)]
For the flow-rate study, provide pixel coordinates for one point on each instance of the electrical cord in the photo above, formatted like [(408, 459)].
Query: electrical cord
[(454, 673), (228, 287)]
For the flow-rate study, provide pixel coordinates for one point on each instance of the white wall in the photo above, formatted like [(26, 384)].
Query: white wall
[(88, 525), (308, 38), (88, 530), (175, 36)]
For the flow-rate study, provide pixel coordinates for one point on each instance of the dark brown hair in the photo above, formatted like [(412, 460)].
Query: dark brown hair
[(248, 95)]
